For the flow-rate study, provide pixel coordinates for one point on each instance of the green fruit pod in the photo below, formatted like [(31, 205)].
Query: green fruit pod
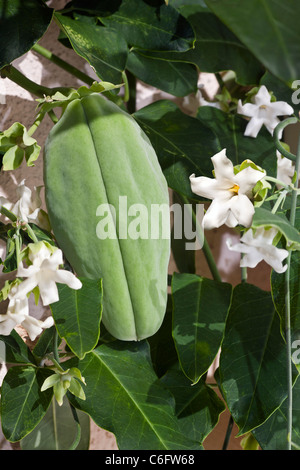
[(108, 204)]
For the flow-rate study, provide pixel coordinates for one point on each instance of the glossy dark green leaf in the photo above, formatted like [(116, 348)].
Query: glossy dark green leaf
[(198, 407), (272, 435), (57, 430), (229, 130), (278, 286), (16, 351), (182, 143), (268, 28), (17, 37), (105, 50), (216, 48), (199, 314), (124, 396), (23, 405), (176, 78), (159, 28), (253, 373), (185, 259), (77, 315)]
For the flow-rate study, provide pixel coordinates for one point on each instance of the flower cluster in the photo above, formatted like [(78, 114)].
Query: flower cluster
[(41, 274), (233, 189)]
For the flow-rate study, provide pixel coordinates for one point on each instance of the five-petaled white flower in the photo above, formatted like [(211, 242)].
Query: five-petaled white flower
[(231, 193), (44, 272), (258, 246), (263, 112), (18, 314)]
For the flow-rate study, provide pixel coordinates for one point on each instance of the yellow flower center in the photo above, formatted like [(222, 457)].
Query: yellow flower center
[(263, 106), (235, 189)]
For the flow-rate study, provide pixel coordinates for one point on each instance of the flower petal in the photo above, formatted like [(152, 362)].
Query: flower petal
[(242, 209), (66, 277), (247, 109), (48, 290), (262, 97), (253, 127), (223, 166), (247, 179), (216, 214), (281, 108), (205, 187)]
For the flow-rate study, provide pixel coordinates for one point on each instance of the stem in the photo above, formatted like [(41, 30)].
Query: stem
[(131, 103), (55, 347), (38, 90), (36, 124), (78, 428), (277, 181), (228, 433), (288, 311), (278, 129), (31, 233), (279, 201), (62, 64), (54, 423), (206, 249)]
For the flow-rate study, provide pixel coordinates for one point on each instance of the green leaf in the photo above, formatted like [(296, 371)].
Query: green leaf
[(23, 405), (162, 347), (278, 286), (199, 314), (272, 435), (268, 28), (216, 48), (265, 218), (198, 407), (185, 259), (77, 315), (105, 50), (229, 130), (124, 396), (151, 27), (16, 351), (17, 37), (57, 430), (253, 373), (157, 73), (182, 143)]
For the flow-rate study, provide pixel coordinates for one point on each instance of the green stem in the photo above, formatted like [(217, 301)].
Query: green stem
[(278, 129), (288, 310), (38, 90), (206, 248), (279, 201), (36, 124), (31, 233), (63, 64), (78, 428)]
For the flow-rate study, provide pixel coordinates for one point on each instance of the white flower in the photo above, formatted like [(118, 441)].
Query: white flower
[(28, 206), (258, 246), (44, 272), (285, 169), (18, 314), (230, 192), (263, 112)]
